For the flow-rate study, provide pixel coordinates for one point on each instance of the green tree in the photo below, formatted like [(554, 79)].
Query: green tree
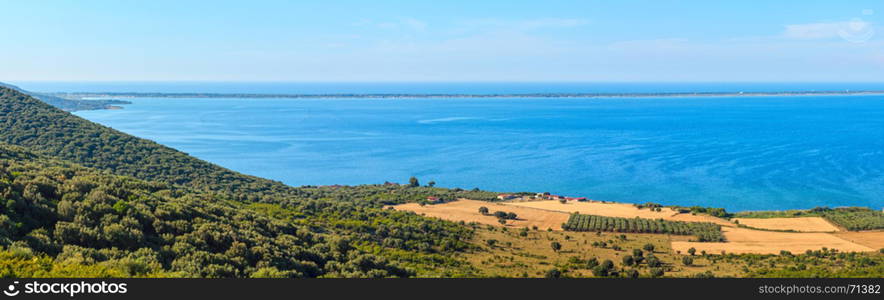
[(592, 262), (556, 246), (628, 260), (413, 182), (649, 247), (687, 260), (553, 273), (653, 261), (692, 251), (607, 264), (599, 271), (657, 272), (483, 210), (431, 183)]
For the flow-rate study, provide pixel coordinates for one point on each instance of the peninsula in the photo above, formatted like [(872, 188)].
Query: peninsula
[(101, 95)]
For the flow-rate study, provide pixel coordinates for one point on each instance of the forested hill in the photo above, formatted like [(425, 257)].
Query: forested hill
[(27, 122), (68, 104), (59, 219)]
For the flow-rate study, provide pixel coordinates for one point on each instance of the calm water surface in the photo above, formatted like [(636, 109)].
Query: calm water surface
[(744, 153)]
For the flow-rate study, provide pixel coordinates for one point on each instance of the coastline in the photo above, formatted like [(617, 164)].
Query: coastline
[(101, 95)]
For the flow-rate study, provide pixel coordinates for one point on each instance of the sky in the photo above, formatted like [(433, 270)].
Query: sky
[(403, 41)]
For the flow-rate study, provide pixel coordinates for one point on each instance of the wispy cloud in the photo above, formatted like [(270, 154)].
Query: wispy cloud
[(853, 30), (411, 24), (522, 25), (551, 23)]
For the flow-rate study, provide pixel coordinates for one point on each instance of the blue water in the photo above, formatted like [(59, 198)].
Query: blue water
[(745, 153), (436, 87)]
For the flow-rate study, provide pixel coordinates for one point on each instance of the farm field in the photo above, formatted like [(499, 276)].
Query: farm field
[(468, 211), (872, 239), (742, 240), (619, 210), (552, 214), (801, 224)]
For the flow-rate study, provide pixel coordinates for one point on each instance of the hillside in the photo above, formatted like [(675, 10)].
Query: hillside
[(84, 221), (353, 213)]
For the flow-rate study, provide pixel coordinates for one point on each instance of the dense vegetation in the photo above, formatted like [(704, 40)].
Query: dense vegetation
[(705, 232), (712, 211), (78, 215), (852, 218)]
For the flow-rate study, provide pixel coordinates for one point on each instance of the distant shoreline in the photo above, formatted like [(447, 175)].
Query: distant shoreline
[(100, 95)]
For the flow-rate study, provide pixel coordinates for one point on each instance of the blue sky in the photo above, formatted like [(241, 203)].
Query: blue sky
[(774, 41)]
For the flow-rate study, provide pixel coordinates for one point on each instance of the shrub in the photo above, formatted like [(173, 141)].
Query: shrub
[(599, 271), (687, 260), (657, 272), (628, 260), (553, 273), (556, 246), (654, 262), (592, 263)]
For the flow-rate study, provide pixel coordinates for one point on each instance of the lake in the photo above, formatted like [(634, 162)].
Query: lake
[(740, 153)]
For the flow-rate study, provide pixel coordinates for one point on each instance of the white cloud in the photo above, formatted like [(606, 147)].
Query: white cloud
[(829, 30)]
